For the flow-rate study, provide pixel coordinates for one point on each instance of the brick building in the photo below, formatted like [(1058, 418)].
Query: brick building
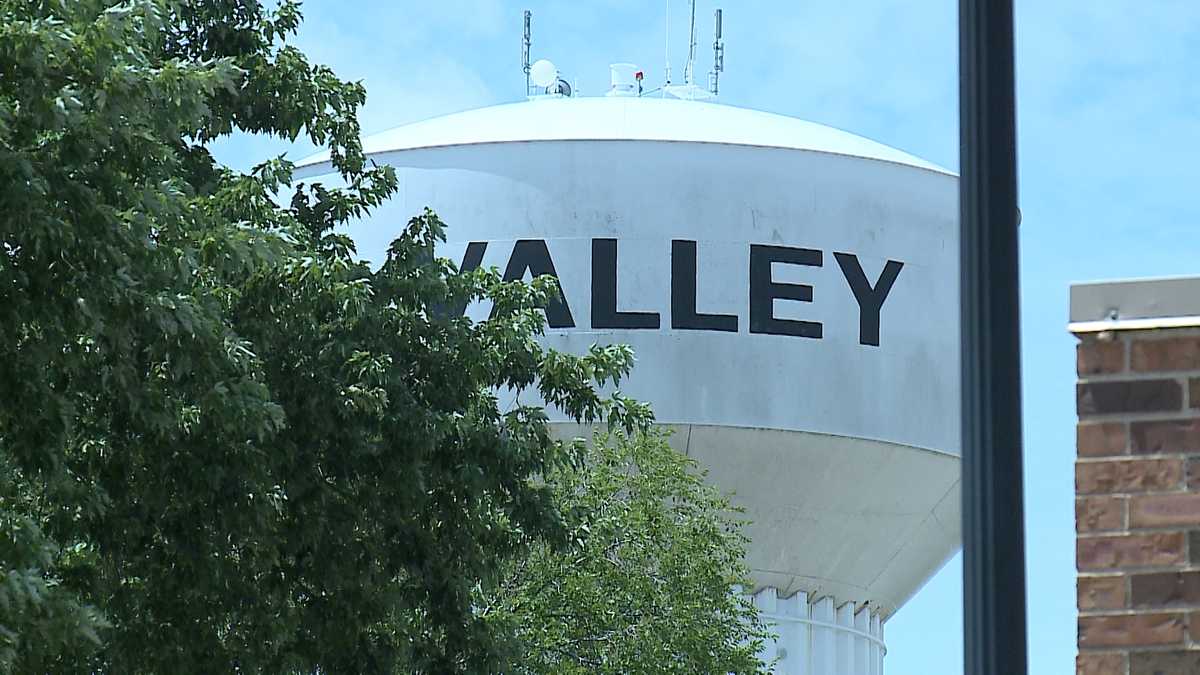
[(1137, 476)]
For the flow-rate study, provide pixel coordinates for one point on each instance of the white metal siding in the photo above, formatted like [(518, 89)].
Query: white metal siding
[(820, 636)]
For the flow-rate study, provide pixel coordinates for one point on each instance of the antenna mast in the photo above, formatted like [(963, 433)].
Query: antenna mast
[(691, 62), (718, 57), (668, 49), (526, 44)]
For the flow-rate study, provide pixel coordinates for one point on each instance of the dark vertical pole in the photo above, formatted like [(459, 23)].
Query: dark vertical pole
[(993, 522)]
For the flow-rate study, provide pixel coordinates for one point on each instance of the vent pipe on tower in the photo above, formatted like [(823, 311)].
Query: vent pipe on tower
[(626, 80)]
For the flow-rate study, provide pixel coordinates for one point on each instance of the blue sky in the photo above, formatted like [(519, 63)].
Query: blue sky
[(1109, 122)]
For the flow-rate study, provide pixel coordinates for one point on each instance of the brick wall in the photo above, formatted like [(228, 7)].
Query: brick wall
[(1137, 504)]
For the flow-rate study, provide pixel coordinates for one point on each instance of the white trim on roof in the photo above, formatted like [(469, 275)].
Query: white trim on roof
[(627, 119)]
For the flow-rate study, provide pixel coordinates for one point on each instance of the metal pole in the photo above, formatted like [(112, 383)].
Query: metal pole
[(526, 47), (993, 515)]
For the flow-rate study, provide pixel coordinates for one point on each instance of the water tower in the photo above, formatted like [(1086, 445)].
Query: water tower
[(791, 291)]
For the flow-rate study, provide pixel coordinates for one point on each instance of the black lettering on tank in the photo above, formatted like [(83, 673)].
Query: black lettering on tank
[(604, 292), (532, 255), (683, 293), (870, 298), (764, 291)]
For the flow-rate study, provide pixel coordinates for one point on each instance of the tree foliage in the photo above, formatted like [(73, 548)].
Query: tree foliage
[(649, 582), (250, 450), (227, 445)]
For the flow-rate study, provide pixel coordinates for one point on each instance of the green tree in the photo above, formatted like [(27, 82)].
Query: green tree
[(250, 451), (225, 444), (649, 584)]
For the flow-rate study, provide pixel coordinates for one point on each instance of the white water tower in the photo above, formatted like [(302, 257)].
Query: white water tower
[(791, 292)]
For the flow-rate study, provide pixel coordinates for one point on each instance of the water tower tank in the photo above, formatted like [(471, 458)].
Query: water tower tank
[(791, 292)]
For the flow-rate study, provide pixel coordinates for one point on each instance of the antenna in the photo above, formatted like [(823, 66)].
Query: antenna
[(691, 62), (525, 46), (718, 57), (543, 73), (668, 50)]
